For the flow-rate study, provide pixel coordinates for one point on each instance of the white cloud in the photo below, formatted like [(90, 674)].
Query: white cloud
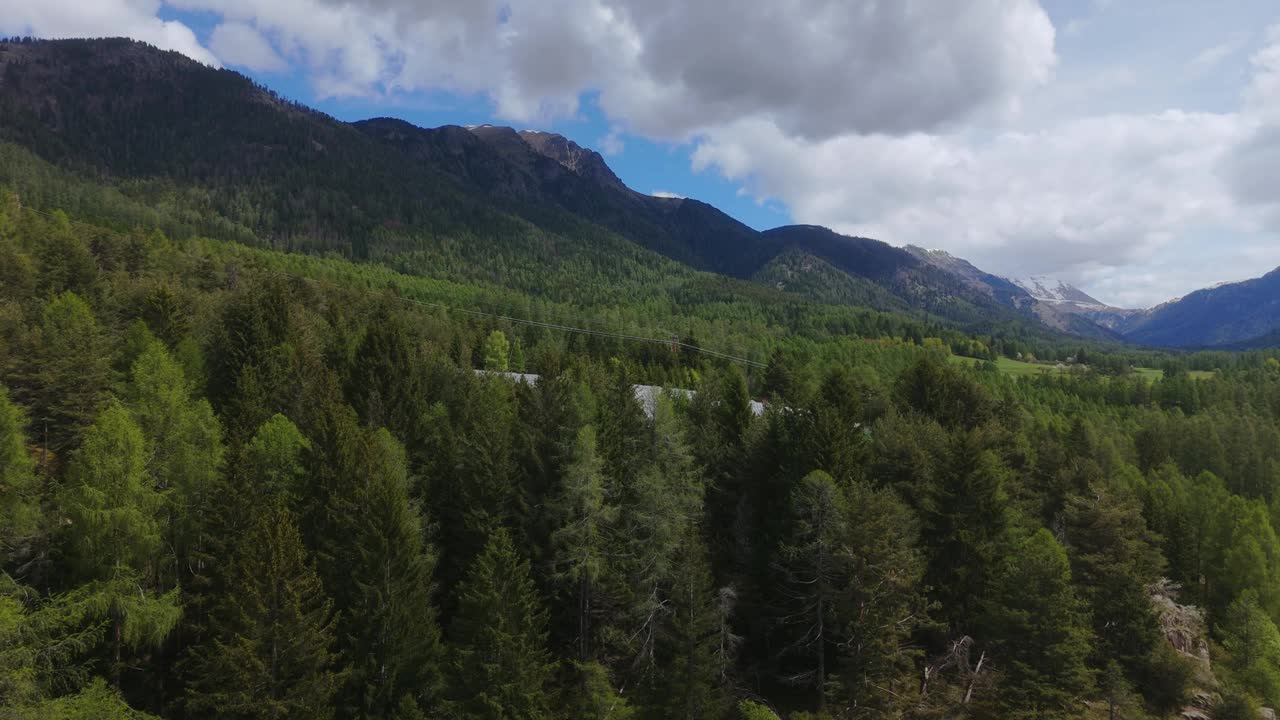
[(1109, 190), (101, 18), (667, 194), (612, 143), (1210, 57), (669, 68), (239, 44), (908, 120)]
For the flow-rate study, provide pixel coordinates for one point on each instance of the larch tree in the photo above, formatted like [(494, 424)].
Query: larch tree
[(19, 486), (117, 538), (68, 372), (580, 542), (184, 449)]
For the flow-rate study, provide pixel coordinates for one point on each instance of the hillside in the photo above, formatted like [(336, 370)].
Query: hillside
[(269, 444), (1235, 314), (157, 125)]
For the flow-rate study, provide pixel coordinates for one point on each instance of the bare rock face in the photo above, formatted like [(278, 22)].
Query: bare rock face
[(1183, 625)]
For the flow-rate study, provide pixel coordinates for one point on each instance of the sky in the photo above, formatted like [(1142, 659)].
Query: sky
[(1129, 147)]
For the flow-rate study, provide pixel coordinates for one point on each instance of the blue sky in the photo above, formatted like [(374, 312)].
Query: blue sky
[(1126, 146)]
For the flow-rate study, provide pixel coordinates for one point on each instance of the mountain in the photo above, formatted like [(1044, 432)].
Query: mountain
[(508, 206), (1243, 314), (1046, 289)]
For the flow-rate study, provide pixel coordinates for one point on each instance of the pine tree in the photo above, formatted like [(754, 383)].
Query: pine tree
[(1113, 558), (391, 634), (883, 605), (965, 521), (1037, 632), (814, 566), (501, 667), (271, 656)]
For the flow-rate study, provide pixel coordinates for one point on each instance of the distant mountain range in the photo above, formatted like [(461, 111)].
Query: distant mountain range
[(124, 112)]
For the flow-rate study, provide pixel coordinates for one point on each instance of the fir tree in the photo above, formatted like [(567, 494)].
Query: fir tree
[(271, 656), (392, 637), (1037, 632), (501, 667)]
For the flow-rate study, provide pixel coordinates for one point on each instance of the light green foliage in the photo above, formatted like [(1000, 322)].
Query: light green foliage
[(110, 502), (593, 696), (750, 710), (69, 367), (183, 443), (274, 457), (1253, 641), (584, 523), (19, 488), (117, 535), (497, 351)]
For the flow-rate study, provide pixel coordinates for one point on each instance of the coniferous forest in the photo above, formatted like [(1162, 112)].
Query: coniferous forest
[(239, 482)]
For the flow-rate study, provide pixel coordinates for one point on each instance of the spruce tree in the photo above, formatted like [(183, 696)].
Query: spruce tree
[(271, 656), (814, 568), (391, 633), (501, 667), (1037, 634)]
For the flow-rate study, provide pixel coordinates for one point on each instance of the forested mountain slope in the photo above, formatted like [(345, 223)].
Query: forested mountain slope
[(163, 128), (1229, 314), (231, 475)]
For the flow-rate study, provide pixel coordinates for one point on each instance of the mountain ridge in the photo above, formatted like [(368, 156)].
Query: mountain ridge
[(375, 187)]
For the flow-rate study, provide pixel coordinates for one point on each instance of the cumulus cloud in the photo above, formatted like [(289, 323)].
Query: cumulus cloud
[(239, 44), (911, 121), (667, 194), (1133, 206), (101, 18), (669, 68)]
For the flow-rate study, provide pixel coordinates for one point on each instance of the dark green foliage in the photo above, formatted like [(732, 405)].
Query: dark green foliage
[(271, 654), (501, 667), (1038, 632), (194, 470)]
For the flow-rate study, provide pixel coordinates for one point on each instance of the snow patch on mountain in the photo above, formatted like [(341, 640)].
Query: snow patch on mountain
[(1051, 290)]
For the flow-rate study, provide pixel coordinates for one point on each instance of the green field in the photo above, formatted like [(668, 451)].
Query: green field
[(1019, 368), (1156, 373), (1010, 366)]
